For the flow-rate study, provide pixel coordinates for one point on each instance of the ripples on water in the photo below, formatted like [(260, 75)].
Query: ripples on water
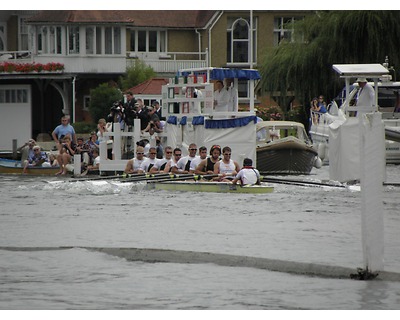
[(304, 224)]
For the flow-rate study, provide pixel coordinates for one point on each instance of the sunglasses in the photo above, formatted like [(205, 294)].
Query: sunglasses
[(178, 155), (139, 152), (193, 149), (227, 154), (169, 152)]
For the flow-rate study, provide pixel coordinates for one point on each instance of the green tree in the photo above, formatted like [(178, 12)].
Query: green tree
[(102, 99), (136, 74), (304, 66)]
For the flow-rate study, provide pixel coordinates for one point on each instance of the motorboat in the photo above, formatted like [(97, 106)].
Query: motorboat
[(283, 147)]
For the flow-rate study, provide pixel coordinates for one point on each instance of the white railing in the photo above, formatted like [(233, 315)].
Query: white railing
[(16, 56), (170, 62), (119, 139)]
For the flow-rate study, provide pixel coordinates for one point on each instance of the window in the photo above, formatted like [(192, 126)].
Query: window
[(99, 40), (73, 39), (3, 37), (108, 40), (23, 35), (103, 40), (86, 102), (283, 29), (49, 40), (239, 41), (148, 41), (152, 41), (90, 40), (13, 96), (117, 40)]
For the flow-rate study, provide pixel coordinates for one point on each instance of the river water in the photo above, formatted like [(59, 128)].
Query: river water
[(52, 233)]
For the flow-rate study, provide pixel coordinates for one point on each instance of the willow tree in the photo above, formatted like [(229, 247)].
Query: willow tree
[(304, 65)]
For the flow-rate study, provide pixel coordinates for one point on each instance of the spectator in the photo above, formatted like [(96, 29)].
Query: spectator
[(63, 130), (233, 102), (65, 155), (221, 97), (26, 151), (38, 159)]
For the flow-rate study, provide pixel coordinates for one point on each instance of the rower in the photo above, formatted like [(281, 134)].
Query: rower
[(226, 168), (248, 175)]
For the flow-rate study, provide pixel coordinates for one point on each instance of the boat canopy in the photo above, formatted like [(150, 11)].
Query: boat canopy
[(222, 73), (374, 70)]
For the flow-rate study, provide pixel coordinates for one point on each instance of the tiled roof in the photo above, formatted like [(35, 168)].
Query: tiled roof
[(150, 87), (139, 18)]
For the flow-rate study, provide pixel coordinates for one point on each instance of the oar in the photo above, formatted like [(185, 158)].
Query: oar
[(300, 182), (188, 176), (147, 176), (117, 176)]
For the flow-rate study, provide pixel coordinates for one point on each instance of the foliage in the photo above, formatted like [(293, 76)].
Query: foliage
[(323, 39), (102, 99), (139, 72), (30, 67), (84, 127)]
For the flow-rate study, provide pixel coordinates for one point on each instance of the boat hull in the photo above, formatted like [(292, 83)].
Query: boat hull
[(14, 167), (220, 187), (286, 156)]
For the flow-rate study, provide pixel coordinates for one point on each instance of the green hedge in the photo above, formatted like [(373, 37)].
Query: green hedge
[(84, 127)]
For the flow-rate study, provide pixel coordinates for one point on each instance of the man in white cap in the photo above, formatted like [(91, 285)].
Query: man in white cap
[(366, 94)]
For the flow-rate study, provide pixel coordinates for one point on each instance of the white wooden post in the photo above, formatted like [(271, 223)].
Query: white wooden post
[(117, 141), (136, 132), (77, 164), (372, 158)]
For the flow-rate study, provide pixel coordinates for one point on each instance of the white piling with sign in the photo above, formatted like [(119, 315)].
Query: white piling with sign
[(372, 170)]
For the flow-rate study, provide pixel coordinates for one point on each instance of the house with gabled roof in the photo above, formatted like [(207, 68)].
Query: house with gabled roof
[(95, 46)]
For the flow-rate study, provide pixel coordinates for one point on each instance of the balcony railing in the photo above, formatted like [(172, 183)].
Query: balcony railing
[(16, 56), (169, 62)]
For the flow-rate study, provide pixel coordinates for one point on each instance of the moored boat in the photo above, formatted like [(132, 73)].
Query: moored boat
[(291, 153), (8, 166), (220, 187)]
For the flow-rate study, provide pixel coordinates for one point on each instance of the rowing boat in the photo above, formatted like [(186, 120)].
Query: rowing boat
[(8, 166), (222, 187)]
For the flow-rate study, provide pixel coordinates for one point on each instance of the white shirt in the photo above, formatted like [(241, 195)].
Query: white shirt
[(195, 162), (137, 164), (226, 167), (96, 161), (147, 164), (233, 99), (248, 176), (181, 164), (366, 96), (222, 99)]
